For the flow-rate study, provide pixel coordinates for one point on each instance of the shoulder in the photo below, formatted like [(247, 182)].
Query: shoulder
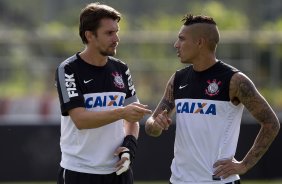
[(179, 76), (116, 61), (240, 78), (227, 66), (184, 70), (241, 86), (68, 62)]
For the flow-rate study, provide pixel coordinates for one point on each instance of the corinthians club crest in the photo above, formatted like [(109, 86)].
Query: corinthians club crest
[(118, 80), (213, 88)]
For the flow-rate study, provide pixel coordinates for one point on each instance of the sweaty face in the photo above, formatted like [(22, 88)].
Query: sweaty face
[(106, 40), (186, 46)]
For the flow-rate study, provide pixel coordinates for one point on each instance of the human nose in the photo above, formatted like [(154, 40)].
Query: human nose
[(176, 45), (116, 38)]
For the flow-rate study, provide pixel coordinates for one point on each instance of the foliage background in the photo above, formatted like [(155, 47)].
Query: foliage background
[(36, 35)]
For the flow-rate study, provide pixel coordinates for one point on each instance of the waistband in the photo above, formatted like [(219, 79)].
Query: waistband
[(234, 182)]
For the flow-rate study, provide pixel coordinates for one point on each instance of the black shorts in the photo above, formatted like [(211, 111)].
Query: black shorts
[(233, 182), (66, 176)]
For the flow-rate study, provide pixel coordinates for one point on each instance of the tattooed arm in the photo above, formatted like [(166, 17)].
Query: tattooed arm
[(243, 90), (160, 120)]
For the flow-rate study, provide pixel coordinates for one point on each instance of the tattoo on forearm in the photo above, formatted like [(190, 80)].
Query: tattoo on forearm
[(262, 143), (167, 102)]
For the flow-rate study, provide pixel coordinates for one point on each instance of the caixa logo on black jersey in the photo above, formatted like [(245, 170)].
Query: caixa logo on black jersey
[(196, 107), (70, 85)]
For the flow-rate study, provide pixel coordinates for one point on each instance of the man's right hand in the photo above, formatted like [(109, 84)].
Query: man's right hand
[(155, 126), (134, 112), (163, 121)]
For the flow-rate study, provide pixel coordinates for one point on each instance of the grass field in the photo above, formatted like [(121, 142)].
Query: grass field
[(161, 182)]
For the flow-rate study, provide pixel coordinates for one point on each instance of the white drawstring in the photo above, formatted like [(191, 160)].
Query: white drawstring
[(64, 175)]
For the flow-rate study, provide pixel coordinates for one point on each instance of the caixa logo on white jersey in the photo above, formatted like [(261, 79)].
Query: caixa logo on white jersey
[(196, 107), (70, 85), (110, 99)]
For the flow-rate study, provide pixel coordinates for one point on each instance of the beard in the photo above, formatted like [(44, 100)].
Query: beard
[(110, 51)]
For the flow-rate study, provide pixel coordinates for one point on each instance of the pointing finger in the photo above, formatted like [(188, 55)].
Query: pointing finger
[(140, 105), (143, 110)]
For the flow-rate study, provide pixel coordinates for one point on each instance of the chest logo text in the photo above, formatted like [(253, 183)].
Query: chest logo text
[(193, 107)]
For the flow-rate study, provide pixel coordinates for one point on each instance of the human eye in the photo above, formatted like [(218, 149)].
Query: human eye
[(181, 38)]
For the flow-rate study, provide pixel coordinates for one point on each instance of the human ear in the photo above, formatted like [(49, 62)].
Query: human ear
[(201, 42), (88, 35)]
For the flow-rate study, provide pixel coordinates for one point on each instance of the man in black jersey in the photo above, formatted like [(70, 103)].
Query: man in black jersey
[(208, 97), (99, 107)]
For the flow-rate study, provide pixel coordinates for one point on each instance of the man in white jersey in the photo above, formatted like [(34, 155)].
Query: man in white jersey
[(99, 106), (208, 97)]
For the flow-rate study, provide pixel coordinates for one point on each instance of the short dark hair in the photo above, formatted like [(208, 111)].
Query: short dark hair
[(208, 28), (190, 19), (91, 16)]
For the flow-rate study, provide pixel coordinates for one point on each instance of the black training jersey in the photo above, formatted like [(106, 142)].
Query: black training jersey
[(207, 123), (212, 84), (76, 78), (102, 88)]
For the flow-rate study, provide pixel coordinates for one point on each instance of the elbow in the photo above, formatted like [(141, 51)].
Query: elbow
[(79, 128), (78, 122), (78, 125), (274, 127), (278, 126), (80, 118)]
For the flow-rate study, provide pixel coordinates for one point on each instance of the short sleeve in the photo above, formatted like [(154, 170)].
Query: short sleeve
[(131, 93), (131, 88), (68, 89)]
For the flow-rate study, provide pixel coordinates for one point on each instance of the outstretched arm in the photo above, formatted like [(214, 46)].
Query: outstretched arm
[(85, 119), (243, 90), (160, 120)]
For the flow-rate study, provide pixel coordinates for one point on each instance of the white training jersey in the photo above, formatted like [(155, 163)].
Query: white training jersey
[(96, 88), (207, 124)]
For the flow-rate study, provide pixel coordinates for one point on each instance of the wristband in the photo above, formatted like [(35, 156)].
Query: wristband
[(126, 150), (130, 142)]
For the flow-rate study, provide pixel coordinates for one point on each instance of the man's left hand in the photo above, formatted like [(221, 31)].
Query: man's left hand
[(124, 162), (227, 167)]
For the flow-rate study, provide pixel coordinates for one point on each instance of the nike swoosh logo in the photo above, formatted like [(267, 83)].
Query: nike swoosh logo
[(85, 82), (181, 87)]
